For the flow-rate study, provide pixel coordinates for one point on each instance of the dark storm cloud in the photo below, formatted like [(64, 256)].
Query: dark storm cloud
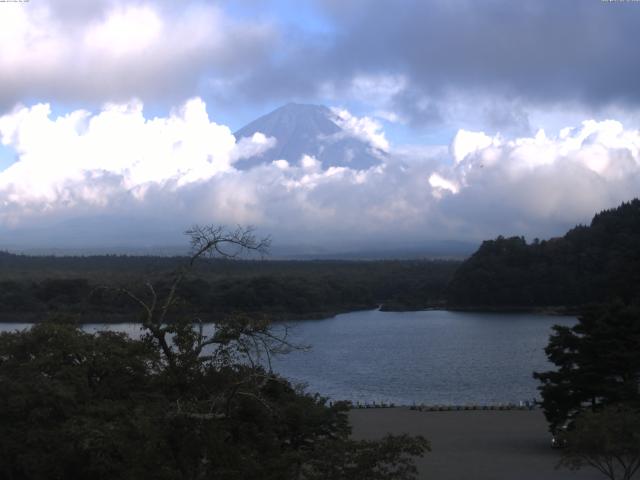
[(536, 52), (420, 110), (542, 51)]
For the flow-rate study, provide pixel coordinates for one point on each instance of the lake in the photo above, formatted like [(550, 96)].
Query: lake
[(431, 357)]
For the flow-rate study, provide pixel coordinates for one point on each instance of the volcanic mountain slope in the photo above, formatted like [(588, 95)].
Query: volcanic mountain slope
[(312, 130)]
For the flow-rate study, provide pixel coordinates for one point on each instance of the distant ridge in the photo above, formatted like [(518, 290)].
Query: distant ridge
[(302, 129)]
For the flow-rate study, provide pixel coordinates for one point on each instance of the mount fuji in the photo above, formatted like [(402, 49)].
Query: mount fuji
[(313, 130)]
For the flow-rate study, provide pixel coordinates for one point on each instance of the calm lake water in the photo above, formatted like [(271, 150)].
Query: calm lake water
[(432, 357)]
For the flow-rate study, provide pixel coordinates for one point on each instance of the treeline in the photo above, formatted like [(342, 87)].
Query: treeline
[(91, 286), (595, 263), (590, 264)]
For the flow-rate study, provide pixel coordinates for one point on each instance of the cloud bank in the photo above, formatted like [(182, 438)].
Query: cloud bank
[(88, 53), (542, 184), (112, 160), (489, 65), (169, 172)]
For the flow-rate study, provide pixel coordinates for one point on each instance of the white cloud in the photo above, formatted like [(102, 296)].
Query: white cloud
[(363, 128), (309, 163), (126, 30), (594, 146), (466, 143), (535, 185), (179, 169), (281, 164), (389, 116), (64, 157), (439, 184), (119, 50), (252, 146)]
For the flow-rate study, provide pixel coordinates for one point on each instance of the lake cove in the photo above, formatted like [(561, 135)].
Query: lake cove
[(431, 357)]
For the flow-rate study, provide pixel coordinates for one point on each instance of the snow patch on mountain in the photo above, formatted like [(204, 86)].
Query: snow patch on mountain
[(333, 137)]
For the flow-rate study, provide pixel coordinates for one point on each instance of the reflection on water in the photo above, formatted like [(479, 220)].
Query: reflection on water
[(434, 357), (431, 357)]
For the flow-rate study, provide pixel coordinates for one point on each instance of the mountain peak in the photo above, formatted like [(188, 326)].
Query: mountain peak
[(306, 129), (301, 107)]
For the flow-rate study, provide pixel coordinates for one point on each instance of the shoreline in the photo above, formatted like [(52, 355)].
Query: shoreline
[(553, 311), (120, 318), (447, 407)]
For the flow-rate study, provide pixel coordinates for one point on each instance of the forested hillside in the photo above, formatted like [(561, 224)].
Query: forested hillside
[(589, 264), (31, 287), (592, 263)]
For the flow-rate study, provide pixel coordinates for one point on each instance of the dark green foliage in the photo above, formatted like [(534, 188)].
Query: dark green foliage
[(62, 290), (391, 457), (607, 440), (82, 406), (285, 289), (70, 402), (16, 296), (598, 363), (597, 263), (178, 404)]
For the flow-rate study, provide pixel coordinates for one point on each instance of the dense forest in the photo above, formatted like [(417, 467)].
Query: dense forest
[(589, 264), (175, 404), (89, 286)]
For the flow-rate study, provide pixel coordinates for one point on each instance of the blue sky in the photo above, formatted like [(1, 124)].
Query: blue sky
[(7, 157), (124, 111), (287, 13)]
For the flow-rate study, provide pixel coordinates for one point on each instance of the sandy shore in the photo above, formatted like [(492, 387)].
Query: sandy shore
[(474, 445)]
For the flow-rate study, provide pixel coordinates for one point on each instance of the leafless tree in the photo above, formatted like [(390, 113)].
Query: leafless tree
[(183, 342), (247, 334)]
